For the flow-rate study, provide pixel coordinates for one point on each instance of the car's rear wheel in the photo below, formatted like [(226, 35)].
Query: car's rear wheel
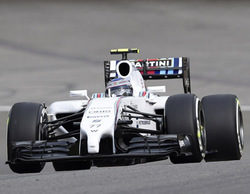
[(224, 124), (25, 124), (184, 115)]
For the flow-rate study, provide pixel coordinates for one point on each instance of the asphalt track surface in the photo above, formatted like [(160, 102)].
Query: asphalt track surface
[(48, 48)]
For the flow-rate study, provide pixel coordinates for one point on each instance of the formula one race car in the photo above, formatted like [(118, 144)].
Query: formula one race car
[(128, 124)]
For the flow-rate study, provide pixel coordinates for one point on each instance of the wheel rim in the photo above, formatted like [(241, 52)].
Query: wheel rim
[(43, 118), (201, 131), (239, 127)]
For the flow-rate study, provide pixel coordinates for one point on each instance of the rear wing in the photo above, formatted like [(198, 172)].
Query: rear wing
[(151, 69)]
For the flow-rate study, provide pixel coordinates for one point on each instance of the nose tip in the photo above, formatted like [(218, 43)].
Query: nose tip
[(93, 144), (93, 149)]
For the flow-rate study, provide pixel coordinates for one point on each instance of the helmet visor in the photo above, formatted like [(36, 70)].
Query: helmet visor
[(124, 90)]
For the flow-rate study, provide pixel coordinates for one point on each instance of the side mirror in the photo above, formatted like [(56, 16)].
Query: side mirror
[(79, 93)]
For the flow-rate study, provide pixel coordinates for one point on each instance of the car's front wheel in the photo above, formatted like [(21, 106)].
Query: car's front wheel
[(184, 115), (25, 124)]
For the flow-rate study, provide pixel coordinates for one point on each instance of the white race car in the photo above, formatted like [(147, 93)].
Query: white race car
[(128, 124)]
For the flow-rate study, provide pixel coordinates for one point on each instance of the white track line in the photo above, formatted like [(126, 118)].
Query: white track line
[(6, 108), (245, 108)]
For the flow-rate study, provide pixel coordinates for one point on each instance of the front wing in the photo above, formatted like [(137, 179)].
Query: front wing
[(48, 151)]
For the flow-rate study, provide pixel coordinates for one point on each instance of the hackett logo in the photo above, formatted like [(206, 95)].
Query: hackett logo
[(160, 63)]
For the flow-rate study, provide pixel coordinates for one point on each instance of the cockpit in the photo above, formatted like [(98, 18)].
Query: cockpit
[(119, 87)]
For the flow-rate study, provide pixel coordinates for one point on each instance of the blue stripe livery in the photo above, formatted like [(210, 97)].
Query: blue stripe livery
[(176, 64), (163, 72)]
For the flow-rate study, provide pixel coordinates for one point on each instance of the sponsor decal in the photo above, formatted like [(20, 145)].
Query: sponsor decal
[(95, 127), (96, 121), (99, 111), (98, 108), (153, 63), (99, 116), (145, 122)]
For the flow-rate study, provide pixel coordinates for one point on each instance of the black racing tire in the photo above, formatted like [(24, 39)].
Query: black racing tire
[(224, 125), (66, 166), (24, 124), (184, 115)]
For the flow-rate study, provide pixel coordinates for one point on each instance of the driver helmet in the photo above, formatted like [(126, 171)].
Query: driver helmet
[(119, 87)]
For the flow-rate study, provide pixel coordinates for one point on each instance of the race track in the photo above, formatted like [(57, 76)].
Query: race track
[(156, 177), (50, 47)]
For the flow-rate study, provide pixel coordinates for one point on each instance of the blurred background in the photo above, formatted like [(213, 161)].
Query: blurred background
[(50, 47)]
